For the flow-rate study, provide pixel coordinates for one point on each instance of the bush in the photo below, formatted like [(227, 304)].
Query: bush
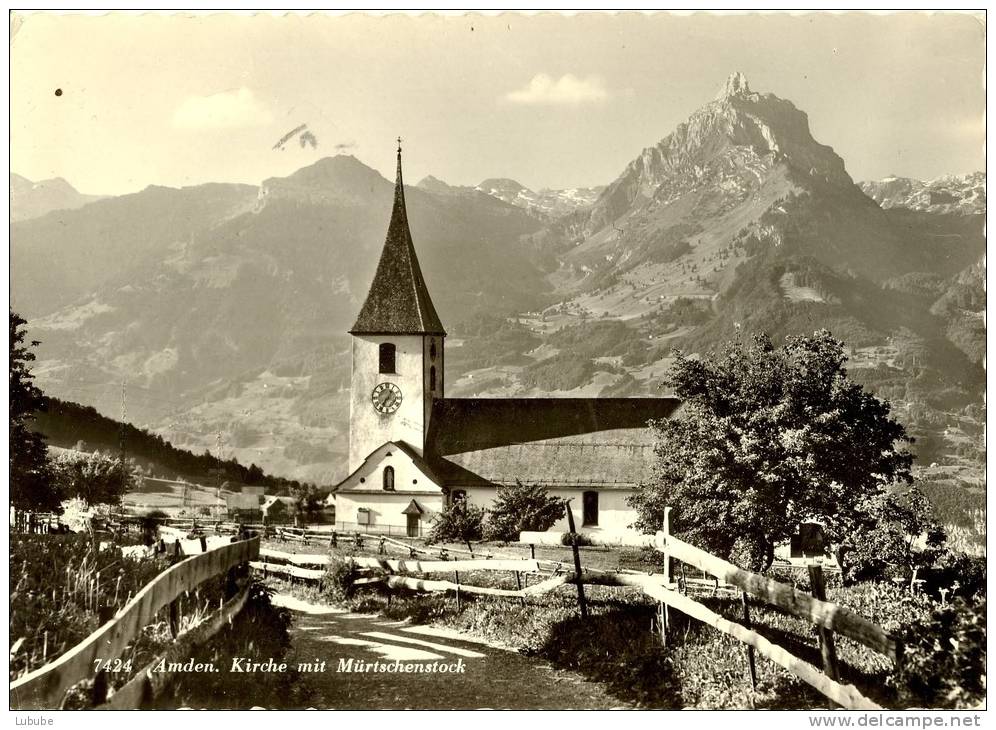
[(521, 508), (963, 575), (149, 524), (337, 582), (460, 521), (944, 662)]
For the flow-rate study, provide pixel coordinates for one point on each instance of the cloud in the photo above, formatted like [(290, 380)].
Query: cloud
[(568, 89), (224, 110)]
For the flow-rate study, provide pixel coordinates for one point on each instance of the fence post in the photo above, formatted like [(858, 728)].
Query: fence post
[(456, 579), (751, 663), (532, 551), (827, 648), (665, 612), (582, 604)]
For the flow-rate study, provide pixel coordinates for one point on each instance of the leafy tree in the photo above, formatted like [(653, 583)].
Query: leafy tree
[(307, 501), (32, 486), (94, 478), (886, 542), (459, 521), (767, 439), (521, 508)]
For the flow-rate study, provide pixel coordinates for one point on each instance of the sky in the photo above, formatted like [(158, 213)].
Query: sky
[(114, 103)]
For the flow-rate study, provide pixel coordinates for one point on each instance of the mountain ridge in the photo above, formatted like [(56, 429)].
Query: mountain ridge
[(33, 199), (230, 329)]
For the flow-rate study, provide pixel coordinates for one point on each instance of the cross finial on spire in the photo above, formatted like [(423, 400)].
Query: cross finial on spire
[(399, 146)]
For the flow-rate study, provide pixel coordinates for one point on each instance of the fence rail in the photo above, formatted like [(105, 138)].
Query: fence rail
[(733, 581), (45, 687)]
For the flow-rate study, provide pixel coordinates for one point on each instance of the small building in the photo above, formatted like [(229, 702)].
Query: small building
[(412, 451), (276, 508)]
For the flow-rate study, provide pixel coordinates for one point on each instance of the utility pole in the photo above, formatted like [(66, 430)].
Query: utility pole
[(124, 418)]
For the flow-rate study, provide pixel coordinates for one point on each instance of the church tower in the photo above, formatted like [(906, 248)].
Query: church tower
[(397, 346)]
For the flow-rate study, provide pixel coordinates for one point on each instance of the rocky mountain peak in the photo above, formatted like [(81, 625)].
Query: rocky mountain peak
[(736, 85)]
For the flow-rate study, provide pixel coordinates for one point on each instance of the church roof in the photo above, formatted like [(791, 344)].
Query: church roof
[(398, 301), (603, 442)]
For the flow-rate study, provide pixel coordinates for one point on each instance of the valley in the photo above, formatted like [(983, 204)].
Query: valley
[(223, 309)]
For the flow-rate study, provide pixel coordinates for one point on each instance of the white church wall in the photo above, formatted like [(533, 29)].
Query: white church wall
[(614, 513), (384, 511)]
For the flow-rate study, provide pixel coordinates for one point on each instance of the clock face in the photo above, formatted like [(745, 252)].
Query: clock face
[(386, 398)]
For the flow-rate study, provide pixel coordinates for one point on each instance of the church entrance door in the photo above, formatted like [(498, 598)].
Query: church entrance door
[(413, 525)]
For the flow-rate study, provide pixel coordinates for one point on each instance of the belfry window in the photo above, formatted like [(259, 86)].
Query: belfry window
[(432, 350), (432, 379), (589, 502), (388, 478), (387, 357)]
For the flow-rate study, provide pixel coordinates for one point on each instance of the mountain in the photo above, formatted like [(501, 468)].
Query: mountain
[(740, 221), (58, 258), (224, 308), (743, 175), (546, 203), (30, 199), (964, 194), (552, 203)]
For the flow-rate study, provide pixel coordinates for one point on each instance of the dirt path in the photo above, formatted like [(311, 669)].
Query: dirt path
[(490, 677)]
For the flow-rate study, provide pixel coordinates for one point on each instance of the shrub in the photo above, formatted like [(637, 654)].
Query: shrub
[(149, 524), (460, 521), (964, 575), (944, 662), (337, 582), (521, 508)]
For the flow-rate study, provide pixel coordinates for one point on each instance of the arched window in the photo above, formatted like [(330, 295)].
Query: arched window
[(387, 352), (432, 379), (388, 478), (589, 502), (432, 350)]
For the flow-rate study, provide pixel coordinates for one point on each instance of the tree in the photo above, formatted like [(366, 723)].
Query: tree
[(32, 485), (767, 439), (307, 501), (94, 478), (459, 521), (520, 508), (886, 543), (255, 475)]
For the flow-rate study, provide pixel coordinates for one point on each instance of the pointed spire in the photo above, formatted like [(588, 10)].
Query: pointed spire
[(398, 301), (399, 185)]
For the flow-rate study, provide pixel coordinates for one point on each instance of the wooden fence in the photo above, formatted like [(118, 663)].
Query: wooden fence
[(38, 523), (46, 687), (672, 592)]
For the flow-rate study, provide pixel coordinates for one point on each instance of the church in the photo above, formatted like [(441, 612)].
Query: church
[(413, 451)]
